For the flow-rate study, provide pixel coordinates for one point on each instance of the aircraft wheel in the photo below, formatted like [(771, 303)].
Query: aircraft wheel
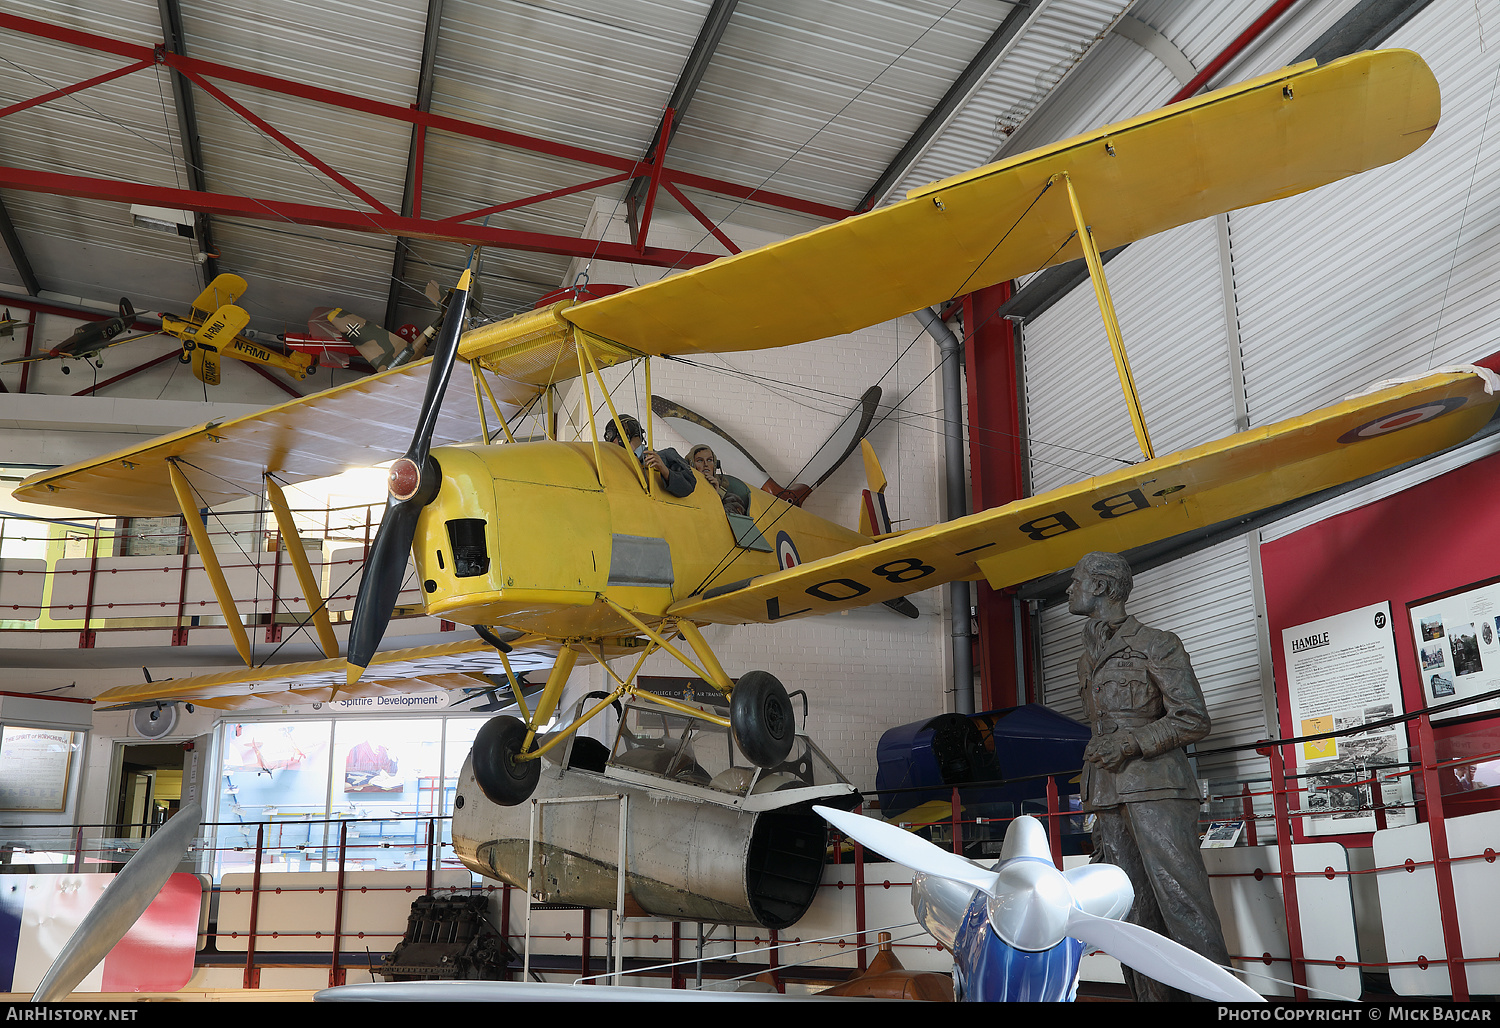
[(66, 370), (503, 780), (761, 714)]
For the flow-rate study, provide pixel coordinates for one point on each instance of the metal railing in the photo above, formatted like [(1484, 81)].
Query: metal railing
[(1269, 806), (80, 575)]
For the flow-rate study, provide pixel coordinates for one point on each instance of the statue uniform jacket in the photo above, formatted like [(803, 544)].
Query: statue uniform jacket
[(1142, 682)]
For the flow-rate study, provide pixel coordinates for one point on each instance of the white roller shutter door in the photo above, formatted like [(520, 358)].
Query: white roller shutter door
[(1388, 273)]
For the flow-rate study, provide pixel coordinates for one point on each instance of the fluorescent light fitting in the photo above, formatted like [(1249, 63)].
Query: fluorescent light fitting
[(162, 219)]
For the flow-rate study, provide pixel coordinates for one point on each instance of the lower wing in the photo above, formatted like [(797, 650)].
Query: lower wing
[(392, 673), (1156, 499)]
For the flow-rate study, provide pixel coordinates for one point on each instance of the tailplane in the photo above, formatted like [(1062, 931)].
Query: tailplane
[(874, 518)]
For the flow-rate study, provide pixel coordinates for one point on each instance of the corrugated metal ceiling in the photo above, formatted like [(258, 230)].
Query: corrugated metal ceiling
[(813, 101)]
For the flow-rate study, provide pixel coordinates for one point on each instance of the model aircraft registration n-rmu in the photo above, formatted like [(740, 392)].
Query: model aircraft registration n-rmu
[(560, 551)]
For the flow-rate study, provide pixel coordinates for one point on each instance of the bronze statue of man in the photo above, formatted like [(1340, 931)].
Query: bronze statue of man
[(1144, 705)]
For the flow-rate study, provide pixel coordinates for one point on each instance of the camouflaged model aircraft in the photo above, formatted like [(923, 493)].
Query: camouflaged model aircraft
[(565, 551), (87, 341)]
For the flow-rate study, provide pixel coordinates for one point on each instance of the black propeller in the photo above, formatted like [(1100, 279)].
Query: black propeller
[(413, 484)]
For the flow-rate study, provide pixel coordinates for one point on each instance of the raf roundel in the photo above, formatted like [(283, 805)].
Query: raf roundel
[(786, 551), (1400, 419)]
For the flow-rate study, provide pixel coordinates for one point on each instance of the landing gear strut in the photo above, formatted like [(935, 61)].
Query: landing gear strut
[(760, 713), (503, 779)]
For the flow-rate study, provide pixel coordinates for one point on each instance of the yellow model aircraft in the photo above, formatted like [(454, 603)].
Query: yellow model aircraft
[(565, 551), (212, 330), (9, 324)]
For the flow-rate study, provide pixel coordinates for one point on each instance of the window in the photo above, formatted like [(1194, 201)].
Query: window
[(303, 786)]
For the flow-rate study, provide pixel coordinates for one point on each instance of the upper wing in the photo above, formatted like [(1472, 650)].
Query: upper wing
[(223, 289), (392, 673), (355, 425), (1156, 499), (1271, 137)]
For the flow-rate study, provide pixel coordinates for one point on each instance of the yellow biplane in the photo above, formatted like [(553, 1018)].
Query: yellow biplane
[(8, 324), (212, 330), (563, 551)]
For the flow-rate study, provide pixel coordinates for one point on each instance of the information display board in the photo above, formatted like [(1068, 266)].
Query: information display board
[(34, 766), (1458, 647), (1342, 673)]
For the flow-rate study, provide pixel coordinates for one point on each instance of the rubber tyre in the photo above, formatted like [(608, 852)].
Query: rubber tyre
[(494, 761), (760, 713)]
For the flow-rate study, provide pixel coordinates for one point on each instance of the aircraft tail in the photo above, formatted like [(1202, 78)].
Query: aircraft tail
[(874, 518), (126, 310)]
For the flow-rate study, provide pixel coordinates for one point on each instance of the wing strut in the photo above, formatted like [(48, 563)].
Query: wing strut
[(1107, 311), (210, 562), (585, 352), (480, 383), (305, 577)]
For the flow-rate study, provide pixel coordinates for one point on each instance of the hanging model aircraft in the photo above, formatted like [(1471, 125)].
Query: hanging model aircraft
[(87, 341), (211, 330), (572, 551), (1017, 931), (380, 347), (9, 324)]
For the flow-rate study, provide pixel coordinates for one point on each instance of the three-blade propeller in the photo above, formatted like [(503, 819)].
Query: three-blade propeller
[(413, 483), (1032, 905)]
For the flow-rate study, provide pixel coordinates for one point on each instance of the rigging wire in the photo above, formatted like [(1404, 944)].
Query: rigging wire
[(1463, 216)]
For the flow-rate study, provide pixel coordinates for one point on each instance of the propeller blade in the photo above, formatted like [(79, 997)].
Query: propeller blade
[(443, 352), (1103, 890), (843, 441), (695, 428), (122, 904), (905, 848), (1026, 837), (1160, 958), (413, 483), (737, 461), (385, 569)]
